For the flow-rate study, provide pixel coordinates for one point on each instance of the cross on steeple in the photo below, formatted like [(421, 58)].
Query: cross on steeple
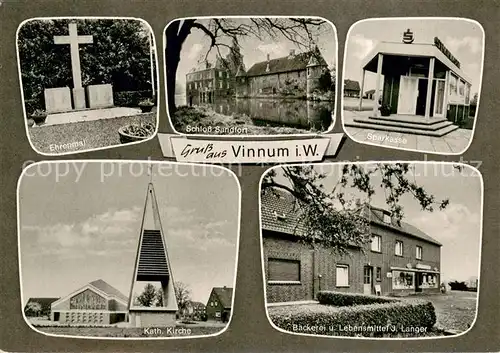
[(74, 40)]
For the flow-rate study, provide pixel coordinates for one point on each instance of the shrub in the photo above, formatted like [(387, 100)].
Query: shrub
[(348, 299), (396, 318), (130, 98)]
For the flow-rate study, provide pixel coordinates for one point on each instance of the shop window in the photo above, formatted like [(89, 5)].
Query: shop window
[(283, 270), (399, 248), (376, 243), (342, 276), (403, 280), (428, 280), (418, 252)]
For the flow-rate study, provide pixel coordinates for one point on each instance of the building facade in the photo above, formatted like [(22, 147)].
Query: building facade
[(351, 88), (208, 83), (219, 304), (96, 303), (400, 260), (296, 75)]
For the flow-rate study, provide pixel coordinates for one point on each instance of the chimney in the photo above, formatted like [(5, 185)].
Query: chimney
[(224, 288), (292, 52)]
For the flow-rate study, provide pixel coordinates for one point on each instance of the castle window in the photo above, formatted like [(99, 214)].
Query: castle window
[(283, 270)]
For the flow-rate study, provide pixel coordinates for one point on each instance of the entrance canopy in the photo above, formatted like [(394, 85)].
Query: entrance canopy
[(402, 51)]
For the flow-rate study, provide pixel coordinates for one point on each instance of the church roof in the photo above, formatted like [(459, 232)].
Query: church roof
[(225, 295), (280, 213), (108, 289), (287, 63)]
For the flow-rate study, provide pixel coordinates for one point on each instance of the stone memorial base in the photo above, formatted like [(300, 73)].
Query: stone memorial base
[(79, 98), (100, 96), (58, 100), (89, 115)]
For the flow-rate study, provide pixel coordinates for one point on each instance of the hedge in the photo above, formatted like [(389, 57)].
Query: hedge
[(348, 299), (395, 318), (131, 98)]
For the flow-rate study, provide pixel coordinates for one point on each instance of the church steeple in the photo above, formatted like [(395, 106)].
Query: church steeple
[(152, 265)]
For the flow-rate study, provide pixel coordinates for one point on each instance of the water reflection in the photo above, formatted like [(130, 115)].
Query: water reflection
[(273, 112)]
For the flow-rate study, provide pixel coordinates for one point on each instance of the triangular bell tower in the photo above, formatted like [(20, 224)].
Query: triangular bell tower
[(152, 265)]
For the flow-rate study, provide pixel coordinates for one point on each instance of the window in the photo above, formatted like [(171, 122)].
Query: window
[(379, 274), (399, 248), (283, 270), (216, 303), (461, 88), (418, 252), (428, 280), (377, 243), (211, 304), (387, 218), (342, 276), (221, 74), (453, 85), (403, 280), (220, 84), (467, 93)]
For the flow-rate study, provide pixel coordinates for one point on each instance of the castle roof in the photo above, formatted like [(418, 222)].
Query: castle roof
[(296, 62), (281, 213)]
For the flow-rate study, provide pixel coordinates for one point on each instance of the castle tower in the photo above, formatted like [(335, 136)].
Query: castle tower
[(241, 84), (152, 266), (315, 68)]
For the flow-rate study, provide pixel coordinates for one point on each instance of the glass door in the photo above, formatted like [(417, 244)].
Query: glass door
[(439, 98), (408, 93)]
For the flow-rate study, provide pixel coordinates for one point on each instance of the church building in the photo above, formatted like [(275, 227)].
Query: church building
[(400, 260), (96, 303)]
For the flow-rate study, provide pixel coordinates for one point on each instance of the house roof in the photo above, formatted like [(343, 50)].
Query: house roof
[(108, 289), (279, 213), (287, 63), (370, 91), (197, 304), (351, 85), (415, 49), (377, 217), (225, 295)]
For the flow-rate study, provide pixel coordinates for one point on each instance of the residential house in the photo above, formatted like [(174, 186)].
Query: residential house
[(219, 304)]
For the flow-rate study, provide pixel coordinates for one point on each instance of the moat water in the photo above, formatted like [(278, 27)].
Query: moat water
[(297, 113)]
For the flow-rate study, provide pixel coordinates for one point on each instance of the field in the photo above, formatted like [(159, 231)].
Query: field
[(455, 310)]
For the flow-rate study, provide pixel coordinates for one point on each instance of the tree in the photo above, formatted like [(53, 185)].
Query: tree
[(148, 297), (337, 221), (219, 30), (33, 309), (183, 295), (119, 54)]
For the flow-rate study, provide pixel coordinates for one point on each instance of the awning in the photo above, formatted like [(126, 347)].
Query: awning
[(413, 270)]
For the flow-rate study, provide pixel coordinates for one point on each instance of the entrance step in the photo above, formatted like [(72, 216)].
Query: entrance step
[(405, 124), (409, 119), (414, 130)]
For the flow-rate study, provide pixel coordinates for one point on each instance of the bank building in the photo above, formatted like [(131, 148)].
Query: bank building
[(423, 88)]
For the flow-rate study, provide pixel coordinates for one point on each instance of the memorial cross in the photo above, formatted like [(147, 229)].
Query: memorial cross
[(74, 40)]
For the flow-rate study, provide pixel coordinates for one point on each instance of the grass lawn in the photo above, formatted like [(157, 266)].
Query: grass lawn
[(95, 134), (174, 331), (201, 117), (455, 310)]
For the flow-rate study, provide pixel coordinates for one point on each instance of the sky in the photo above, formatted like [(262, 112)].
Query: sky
[(79, 227), (253, 49), (464, 39), (457, 227)]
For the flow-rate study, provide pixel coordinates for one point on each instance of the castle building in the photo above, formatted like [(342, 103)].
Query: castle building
[(399, 260), (208, 83), (292, 76)]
